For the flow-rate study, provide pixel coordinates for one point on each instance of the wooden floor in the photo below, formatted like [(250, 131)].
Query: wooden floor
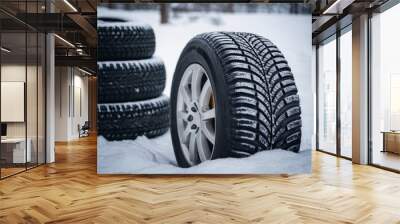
[(5, 172), (70, 191), (387, 159)]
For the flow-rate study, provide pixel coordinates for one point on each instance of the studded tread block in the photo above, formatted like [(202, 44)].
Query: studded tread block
[(124, 41), (119, 121), (123, 81)]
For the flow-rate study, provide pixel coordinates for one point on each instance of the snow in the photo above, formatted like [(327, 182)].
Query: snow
[(292, 35), (156, 156)]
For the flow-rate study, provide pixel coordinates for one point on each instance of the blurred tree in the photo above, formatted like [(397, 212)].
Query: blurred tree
[(230, 7), (164, 13), (293, 8)]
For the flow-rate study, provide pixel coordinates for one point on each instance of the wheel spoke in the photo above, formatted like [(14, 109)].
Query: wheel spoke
[(192, 147), (184, 92), (196, 82), (186, 134), (203, 148), (209, 132), (205, 94), (209, 114), (182, 115)]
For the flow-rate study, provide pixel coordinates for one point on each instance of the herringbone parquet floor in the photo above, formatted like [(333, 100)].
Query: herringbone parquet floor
[(70, 191)]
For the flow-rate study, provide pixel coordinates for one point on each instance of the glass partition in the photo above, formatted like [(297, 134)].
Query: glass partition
[(32, 87), (346, 94), (32, 98), (385, 89), (334, 63), (14, 153), (41, 109), (327, 96), (22, 77)]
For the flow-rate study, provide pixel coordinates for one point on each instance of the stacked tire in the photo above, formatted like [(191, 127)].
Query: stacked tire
[(130, 82)]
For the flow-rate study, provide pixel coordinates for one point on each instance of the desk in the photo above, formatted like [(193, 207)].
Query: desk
[(13, 150), (391, 141)]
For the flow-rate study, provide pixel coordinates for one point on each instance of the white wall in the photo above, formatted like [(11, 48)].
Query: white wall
[(14, 72), (79, 117), (62, 81), (70, 83), (314, 77), (17, 73), (33, 126)]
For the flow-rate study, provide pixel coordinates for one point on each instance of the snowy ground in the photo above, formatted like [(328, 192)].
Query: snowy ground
[(156, 156), (291, 33)]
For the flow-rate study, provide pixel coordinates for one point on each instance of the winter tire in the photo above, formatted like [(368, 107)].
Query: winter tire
[(233, 94), (123, 81), (124, 41), (118, 121)]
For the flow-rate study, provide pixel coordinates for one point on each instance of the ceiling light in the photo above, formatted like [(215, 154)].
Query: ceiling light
[(65, 41), (338, 6), (5, 50), (79, 51), (70, 5), (86, 72), (331, 7), (334, 5)]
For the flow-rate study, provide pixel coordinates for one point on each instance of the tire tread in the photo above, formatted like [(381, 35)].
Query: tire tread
[(119, 121), (125, 41), (124, 81), (266, 111)]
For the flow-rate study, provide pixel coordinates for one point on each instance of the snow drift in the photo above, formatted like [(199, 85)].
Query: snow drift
[(156, 156)]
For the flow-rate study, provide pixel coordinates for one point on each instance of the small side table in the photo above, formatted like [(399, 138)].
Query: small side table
[(391, 141), (16, 147)]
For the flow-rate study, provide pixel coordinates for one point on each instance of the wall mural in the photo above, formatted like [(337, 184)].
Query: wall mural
[(204, 88)]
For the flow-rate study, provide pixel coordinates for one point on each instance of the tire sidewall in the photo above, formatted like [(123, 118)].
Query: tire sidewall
[(198, 51)]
